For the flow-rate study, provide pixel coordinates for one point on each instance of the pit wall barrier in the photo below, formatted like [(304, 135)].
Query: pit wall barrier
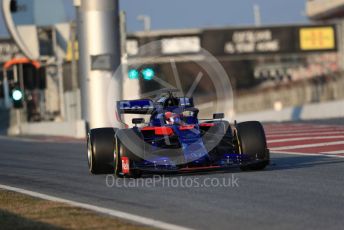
[(325, 110), (74, 129)]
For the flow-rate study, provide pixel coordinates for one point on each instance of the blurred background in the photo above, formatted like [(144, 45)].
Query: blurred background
[(281, 56)]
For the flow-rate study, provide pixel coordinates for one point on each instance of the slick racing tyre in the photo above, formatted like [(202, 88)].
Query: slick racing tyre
[(252, 144), (100, 150)]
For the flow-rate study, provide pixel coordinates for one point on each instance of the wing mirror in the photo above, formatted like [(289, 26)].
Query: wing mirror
[(137, 121)]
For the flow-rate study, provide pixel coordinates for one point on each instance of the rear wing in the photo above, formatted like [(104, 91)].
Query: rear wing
[(143, 106)]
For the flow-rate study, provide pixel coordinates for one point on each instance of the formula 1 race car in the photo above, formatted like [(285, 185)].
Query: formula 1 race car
[(174, 140)]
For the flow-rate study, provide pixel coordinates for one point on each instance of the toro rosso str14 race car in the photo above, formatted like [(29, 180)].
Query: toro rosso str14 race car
[(174, 140)]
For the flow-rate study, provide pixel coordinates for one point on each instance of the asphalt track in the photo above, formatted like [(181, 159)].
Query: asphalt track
[(295, 192)]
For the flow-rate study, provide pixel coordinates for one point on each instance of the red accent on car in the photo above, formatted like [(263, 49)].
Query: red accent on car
[(186, 127), (125, 165), (161, 131), (207, 125)]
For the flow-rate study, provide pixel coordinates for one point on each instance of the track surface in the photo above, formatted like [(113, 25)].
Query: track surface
[(295, 192)]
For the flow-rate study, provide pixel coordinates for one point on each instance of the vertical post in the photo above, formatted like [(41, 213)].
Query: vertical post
[(21, 84), (99, 49), (147, 22), (74, 62), (61, 91), (81, 63), (18, 121), (21, 77), (59, 63), (6, 90), (15, 73), (340, 37), (21, 113), (257, 15), (16, 78), (123, 43), (82, 81)]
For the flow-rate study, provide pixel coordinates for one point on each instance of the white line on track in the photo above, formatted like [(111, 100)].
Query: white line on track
[(320, 130), (304, 138), (308, 145), (110, 212), (309, 133), (293, 128), (308, 154), (336, 152), (285, 127)]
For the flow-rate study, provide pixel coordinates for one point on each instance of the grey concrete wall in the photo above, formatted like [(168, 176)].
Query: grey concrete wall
[(293, 95), (325, 110), (75, 129)]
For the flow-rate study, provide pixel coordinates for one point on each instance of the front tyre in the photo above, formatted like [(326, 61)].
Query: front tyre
[(100, 150), (252, 145)]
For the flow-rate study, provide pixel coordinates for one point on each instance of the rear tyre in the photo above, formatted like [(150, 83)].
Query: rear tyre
[(252, 144), (100, 150)]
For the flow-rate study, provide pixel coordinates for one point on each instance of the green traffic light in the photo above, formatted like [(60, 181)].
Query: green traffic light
[(148, 74), (17, 95), (133, 74)]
